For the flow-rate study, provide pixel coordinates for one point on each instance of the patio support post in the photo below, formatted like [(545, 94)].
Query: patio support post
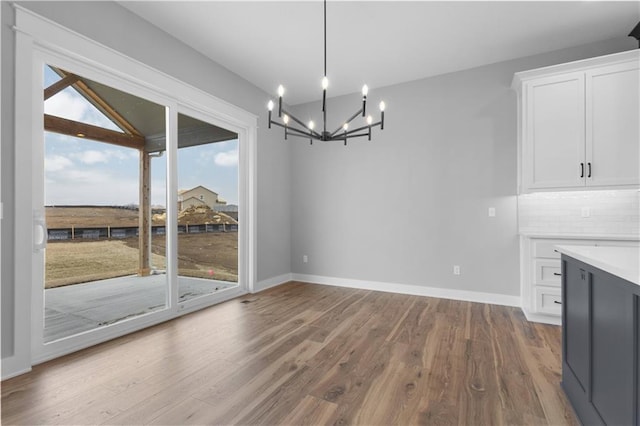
[(144, 215)]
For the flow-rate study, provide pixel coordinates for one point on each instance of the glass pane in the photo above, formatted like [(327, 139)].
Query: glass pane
[(207, 208), (101, 191)]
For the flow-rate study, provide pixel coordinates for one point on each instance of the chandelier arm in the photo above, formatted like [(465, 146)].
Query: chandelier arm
[(303, 136), (291, 116), (289, 128), (372, 125), (353, 117), (275, 123), (299, 132), (343, 137)]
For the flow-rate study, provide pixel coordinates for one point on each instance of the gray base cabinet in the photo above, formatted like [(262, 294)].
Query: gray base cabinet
[(600, 344)]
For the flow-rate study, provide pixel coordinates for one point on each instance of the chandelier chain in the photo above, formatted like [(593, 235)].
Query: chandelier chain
[(325, 38)]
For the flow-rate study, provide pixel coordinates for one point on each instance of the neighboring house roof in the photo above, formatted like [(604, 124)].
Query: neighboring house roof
[(193, 200), (184, 191)]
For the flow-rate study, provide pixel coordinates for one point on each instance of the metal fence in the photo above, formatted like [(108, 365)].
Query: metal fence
[(73, 233)]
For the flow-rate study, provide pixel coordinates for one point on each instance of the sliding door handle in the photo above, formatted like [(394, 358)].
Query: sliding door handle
[(589, 174), (40, 233), (581, 170)]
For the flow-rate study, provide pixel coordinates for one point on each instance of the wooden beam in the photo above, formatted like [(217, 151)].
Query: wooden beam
[(105, 108), (66, 81), (88, 131), (95, 100), (144, 215)]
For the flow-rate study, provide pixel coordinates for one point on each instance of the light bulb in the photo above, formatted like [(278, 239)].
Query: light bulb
[(365, 90), (311, 125), (270, 105), (345, 126), (382, 106), (285, 118), (369, 119), (280, 90), (325, 83)]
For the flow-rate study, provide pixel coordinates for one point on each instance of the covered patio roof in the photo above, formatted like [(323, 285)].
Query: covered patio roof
[(137, 118)]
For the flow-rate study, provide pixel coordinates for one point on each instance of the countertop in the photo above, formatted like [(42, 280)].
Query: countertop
[(623, 262), (583, 236)]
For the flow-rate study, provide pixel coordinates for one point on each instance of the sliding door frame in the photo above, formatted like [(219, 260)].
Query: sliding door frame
[(40, 41)]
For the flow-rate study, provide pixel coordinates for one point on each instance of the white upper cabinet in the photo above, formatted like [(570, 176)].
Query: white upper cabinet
[(613, 130), (579, 124), (555, 131)]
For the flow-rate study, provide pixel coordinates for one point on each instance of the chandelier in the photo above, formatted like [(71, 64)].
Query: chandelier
[(295, 127)]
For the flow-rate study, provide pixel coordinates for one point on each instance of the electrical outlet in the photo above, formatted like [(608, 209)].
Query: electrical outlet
[(586, 212), (305, 258), (456, 269), (492, 212)]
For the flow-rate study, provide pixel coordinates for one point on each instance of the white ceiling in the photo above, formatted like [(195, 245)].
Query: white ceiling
[(381, 42)]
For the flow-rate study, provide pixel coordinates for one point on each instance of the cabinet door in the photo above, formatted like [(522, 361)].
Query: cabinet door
[(612, 381), (576, 322), (613, 125), (555, 132)]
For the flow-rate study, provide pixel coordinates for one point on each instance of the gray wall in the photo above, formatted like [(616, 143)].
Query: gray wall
[(447, 154), (116, 27)]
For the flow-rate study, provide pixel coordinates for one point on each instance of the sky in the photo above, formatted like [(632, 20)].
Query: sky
[(79, 171)]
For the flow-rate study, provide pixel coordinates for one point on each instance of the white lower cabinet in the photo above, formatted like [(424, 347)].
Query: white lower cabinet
[(541, 274), (548, 300), (547, 272)]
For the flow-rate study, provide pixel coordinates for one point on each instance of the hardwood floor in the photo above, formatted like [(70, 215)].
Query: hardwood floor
[(309, 354)]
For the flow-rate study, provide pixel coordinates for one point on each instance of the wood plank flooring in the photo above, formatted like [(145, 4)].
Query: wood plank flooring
[(309, 354)]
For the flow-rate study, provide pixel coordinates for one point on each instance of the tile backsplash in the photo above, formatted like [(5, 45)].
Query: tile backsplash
[(610, 213)]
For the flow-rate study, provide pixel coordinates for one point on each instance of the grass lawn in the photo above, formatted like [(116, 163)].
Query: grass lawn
[(211, 255)]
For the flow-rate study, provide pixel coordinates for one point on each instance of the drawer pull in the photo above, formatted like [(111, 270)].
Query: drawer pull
[(557, 274), (557, 303)]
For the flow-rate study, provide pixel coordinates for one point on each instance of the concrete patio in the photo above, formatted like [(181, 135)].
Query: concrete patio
[(76, 308)]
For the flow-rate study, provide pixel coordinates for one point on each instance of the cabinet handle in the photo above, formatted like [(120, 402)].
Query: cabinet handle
[(557, 274), (557, 303), (581, 170), (589, 165)]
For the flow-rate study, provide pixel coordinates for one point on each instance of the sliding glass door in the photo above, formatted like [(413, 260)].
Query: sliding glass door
[(207, 225), (100, 205), (137, 206)]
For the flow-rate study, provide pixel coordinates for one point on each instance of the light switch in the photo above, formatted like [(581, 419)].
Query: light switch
[(586, 212), (492, 212)]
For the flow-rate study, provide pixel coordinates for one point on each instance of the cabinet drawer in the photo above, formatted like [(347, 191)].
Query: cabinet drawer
[(547, 272), (546, 248), (549, 300)]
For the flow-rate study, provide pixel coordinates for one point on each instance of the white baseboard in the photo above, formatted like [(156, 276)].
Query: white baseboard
[(545, 319), (13, 366), (272, 282), (443, 293)]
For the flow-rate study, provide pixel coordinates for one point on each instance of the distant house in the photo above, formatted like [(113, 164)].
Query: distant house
[(199, 196)]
